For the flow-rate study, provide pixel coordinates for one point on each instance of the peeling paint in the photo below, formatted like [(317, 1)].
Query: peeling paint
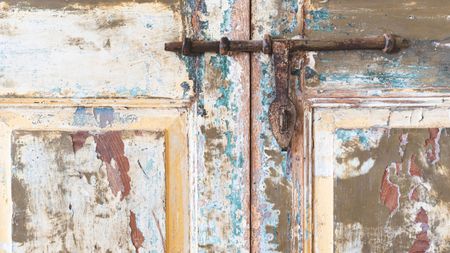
[(104, 116), (110, 150), (390, 199), (92, 53), (136, 235), (60, 196)]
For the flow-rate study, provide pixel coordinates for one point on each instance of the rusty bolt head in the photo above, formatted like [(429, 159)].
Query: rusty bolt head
[(267, 44), (186, 46), (393, 43), (224, 46)]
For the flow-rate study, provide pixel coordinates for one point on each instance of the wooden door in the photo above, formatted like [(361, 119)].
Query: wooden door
[(110, 144), (367, 168)]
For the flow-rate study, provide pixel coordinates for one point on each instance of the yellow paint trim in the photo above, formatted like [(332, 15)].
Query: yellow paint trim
[(173, 121), (322, 189)]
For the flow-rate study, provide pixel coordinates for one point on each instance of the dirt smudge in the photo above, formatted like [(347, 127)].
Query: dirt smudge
[(278, 191), (20, 206)]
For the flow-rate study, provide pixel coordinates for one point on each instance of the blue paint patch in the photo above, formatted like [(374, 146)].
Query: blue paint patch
[(186, 87), (104, 116), (80, 116)]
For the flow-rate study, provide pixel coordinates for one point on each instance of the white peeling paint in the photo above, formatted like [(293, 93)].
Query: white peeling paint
[(100, 52)]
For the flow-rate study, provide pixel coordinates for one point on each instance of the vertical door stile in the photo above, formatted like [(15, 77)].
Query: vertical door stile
[(222, 86), (275, 175)]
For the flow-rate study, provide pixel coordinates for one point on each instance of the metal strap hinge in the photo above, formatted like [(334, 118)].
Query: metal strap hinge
[(282, 112)]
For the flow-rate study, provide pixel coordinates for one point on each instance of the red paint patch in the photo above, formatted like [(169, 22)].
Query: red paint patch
[(432, 140), (110, 148), (422, 216), (414, 169), (136, 235), (389, 192), (78, 140), (422, 242)]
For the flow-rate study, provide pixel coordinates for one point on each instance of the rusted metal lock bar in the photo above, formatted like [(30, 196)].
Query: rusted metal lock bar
[(282, 113)]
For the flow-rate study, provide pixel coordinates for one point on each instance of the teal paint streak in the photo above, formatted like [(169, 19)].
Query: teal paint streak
[(224, 99), (293, 24), (221, 185), (222, 63), (225, 26), (363, 136), (228, 88), (287, 22), (389, 79), (266, 141), (195, 66), (319, 21)]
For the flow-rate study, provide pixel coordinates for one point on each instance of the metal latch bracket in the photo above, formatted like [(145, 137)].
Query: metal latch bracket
[(282, 112)]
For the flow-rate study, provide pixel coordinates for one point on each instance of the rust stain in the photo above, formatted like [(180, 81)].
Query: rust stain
[(389, 192), (79, 139), (110, 147), (136, 235)]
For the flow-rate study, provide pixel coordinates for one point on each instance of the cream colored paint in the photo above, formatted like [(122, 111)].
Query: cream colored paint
[(45, 180), (174, 122), (326, 122), (101, 52)]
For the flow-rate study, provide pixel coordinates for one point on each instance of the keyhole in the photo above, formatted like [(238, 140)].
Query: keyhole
[(284, 120)]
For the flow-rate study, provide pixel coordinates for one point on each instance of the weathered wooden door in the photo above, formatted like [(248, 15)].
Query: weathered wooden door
[(111, 144), (367, 169)]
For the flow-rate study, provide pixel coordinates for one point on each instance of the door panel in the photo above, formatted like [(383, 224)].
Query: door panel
[(424, 65), (97, 175), (376, 124), (385, 186), (90, 49), (75, 184), (98, 68)]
